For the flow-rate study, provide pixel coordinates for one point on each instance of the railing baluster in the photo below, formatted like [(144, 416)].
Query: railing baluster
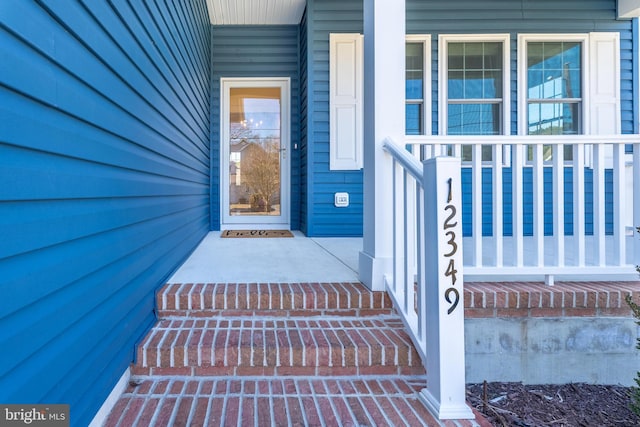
[(399, 235), (578, 203), (538, 203), (517, 203), (558, 203), (412, 203), (476, 204), (437, 150), (457, 151), (421, 331), (498, 205), (619, 205), (598, 205), (408, 272)]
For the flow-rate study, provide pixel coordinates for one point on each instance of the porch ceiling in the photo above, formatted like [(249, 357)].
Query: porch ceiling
[(628, 8), (255, 12)]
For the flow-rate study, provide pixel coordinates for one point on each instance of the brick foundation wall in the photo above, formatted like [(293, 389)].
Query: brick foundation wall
[(564, 299)]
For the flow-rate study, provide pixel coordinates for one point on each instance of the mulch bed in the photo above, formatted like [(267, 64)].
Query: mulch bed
[(515, 404)]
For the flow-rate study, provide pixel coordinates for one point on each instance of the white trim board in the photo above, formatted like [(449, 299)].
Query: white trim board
[(111, 400)]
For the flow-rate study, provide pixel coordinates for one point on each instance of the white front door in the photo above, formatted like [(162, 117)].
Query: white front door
[(254, 144)]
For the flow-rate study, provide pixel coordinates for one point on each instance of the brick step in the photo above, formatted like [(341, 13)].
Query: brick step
[(270, 299), (222, 346), (216, 401)]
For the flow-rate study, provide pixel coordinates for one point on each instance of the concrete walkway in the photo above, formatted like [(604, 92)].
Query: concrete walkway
[(278, 260)]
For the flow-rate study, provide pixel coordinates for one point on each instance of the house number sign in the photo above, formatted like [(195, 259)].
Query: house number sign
[(451, 294)]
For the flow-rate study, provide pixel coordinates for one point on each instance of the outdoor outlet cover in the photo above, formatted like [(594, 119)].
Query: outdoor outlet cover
[(342, 200)]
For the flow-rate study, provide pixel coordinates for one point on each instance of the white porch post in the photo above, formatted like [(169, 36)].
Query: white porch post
[(384, 115), (441, 280)]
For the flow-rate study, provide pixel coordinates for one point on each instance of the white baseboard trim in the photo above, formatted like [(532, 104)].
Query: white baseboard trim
[(110, 402)]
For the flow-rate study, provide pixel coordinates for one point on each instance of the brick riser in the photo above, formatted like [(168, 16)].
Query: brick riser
[(215, 347), (271, 299)]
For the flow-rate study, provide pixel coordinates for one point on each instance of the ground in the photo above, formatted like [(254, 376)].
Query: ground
[(515, 404)]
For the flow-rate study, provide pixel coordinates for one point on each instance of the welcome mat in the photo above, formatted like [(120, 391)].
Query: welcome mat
[(256, 233)]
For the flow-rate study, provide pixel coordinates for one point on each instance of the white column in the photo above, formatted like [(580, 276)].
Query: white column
[(445, 393), (384, 69)]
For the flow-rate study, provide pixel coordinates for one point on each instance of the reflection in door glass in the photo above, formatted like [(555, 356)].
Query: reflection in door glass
[(254, 159)]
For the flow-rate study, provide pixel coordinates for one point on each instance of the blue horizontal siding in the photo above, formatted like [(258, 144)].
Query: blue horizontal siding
[(104, 178), (527, 208), (452, 17), (323, 218), (255, 51), (539, 16)]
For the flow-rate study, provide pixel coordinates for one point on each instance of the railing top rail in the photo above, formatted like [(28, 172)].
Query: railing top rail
[(522, 139), (402, 156)]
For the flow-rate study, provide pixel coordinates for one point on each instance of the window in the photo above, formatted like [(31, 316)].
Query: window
[(569, 84), (554, 87), (475, 98), (477, 85), (417, 84), (474, 88)]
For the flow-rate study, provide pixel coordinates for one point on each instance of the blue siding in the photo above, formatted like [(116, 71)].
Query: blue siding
[(435, 17), (323, 218), (539, 16), (527, 185), (104, 185), (255, 51)]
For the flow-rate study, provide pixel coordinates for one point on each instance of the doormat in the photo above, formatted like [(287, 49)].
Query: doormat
[(256, 233)]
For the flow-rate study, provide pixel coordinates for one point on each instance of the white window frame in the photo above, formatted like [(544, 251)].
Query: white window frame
[(523, 39), (443, 68), (591, 98), (443, 89), (425, 40)]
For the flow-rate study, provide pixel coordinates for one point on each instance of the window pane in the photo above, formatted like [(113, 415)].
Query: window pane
[(474, 119), (413, 117), (487, 153), (415, 70), (554, 118), (554, 70), (456, 84), (475, 70), (467, 153)]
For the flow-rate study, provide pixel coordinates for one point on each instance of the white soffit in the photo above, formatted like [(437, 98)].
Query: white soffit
[(628, 8), (255, 12)]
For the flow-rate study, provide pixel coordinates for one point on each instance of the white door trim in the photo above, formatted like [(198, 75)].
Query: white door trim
[(250, 222)]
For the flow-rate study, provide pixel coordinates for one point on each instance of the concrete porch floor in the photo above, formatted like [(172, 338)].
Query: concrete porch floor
[(283, 260)]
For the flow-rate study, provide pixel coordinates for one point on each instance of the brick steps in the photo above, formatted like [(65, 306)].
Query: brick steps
[(275, 329), (275, 354), (221, 346)]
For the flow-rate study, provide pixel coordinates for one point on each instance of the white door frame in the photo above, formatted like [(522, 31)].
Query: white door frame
[(253, 222)]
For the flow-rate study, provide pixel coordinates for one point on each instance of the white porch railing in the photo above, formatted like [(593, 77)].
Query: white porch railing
[(597, 238), (426, 285), (420, 292)]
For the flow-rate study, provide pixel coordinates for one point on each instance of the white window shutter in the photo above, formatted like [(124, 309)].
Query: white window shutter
[(604, 84), (345, 101)]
